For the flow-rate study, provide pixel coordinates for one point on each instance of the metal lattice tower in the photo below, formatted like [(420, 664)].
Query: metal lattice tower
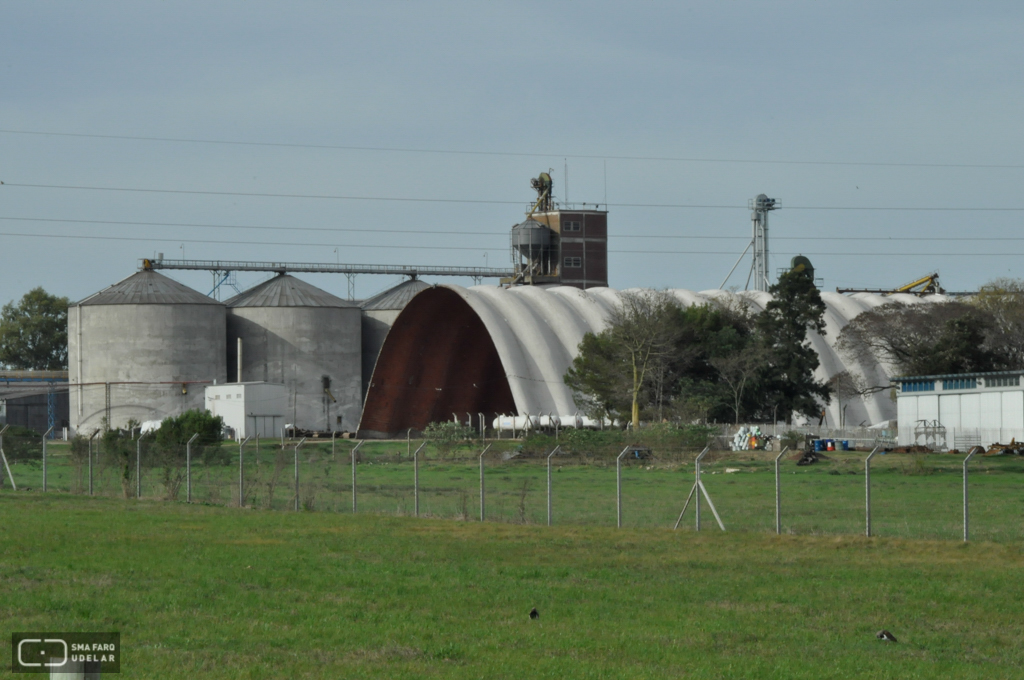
[(760, 206)]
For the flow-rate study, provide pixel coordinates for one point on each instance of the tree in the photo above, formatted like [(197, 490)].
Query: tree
[(680, 380), (644, 328), (34, 333), (1003, 300), (738, 370), (846, 387), (790, 361), (597, 377), (927, 339)]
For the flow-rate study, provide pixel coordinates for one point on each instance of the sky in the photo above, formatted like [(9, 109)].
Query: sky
[(406, 133)]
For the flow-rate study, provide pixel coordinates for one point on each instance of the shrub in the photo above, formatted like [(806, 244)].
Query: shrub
[(175, 432), (179, 429), (447, 435)]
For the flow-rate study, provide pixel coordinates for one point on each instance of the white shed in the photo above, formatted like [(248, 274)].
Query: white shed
[(249, 408), (960, 411)]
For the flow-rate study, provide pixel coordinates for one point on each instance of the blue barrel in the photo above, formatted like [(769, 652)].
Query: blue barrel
[(819, 444), (846, 445)]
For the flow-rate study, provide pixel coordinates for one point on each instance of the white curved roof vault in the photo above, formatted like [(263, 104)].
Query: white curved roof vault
[(536, 332)]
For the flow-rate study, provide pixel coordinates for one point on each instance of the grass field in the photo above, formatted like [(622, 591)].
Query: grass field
[(206, 591)]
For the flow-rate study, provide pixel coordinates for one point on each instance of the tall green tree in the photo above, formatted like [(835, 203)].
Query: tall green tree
[(597, 377), (34, 332), (788, 382), (631, 357)]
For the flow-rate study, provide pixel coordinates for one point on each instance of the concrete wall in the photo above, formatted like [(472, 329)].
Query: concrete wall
[(296, 346), (144, 357)]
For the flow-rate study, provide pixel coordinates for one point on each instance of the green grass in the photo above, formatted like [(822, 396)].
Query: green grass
[(206, 591)]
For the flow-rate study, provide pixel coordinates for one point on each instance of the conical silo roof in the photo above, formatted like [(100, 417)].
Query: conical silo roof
[(285, 290), (147, 287), (395, 298)]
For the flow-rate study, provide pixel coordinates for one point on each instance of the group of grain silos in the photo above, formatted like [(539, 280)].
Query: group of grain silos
[(147, 347)]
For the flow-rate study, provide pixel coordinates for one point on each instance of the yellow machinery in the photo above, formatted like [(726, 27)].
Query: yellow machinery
[(926, 285)]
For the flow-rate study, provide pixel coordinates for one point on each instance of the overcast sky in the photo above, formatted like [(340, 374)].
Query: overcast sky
[(842, 112)]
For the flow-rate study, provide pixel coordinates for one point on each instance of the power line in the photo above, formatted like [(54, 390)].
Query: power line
[(267, 195), (492, 202), (404, 247), (235, 242), (252, 226), (503, 234), (513, 154)]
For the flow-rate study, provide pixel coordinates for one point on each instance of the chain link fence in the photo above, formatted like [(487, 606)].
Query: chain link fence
[(911, 495)]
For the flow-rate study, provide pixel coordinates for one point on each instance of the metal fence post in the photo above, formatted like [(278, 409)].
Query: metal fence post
[(301, 441), (549, 482), (618, 487), (91, 437), (967, 460), (695, 489), (482, 513), (697, 499), (138, 467), (416, 480), (3, 455), (778, 493), (44, 456), (354, 449), (188, 468), (241, 477), (867, 491)]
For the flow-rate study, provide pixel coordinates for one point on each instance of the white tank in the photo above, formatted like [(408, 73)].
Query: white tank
[(142, 349), (298, 335)]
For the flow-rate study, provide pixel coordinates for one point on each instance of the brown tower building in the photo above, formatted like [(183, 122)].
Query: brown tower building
[(560, 244)]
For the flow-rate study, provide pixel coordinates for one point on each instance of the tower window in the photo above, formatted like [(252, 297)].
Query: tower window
[(573, 262), (571, 226)]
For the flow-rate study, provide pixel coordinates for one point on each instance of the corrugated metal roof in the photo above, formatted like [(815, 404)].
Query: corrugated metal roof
[(397, 297), (148, 288), (287, 291), (537, 331)]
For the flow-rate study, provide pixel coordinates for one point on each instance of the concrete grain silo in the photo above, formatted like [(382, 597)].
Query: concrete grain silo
[(141, 350), (303, 337), (379, 314)]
